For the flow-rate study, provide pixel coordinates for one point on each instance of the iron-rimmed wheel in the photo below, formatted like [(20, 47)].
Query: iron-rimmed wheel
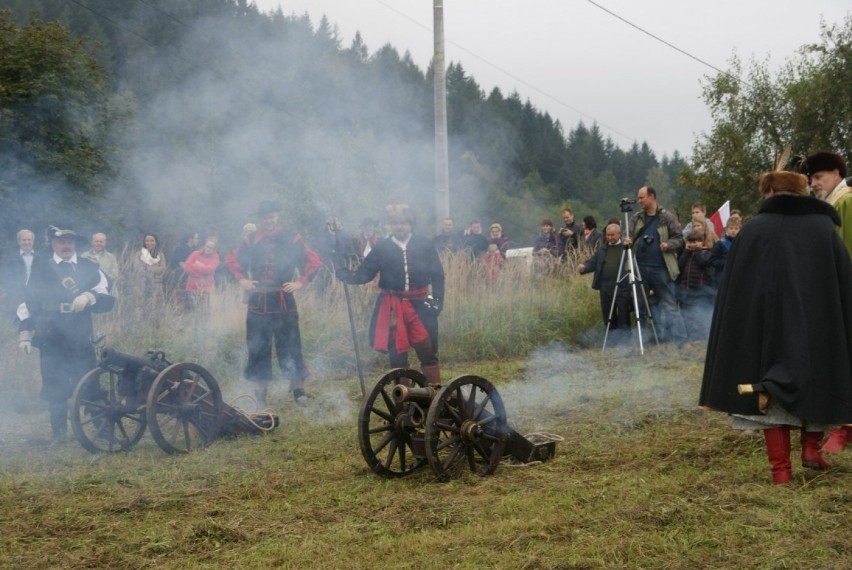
[(104, 418), (185, 408), (385, 427), (466, 425)]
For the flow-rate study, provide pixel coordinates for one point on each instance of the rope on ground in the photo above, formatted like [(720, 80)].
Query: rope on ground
[(265, 417), (536, 438)]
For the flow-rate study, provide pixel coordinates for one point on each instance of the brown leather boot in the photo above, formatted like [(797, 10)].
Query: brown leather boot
[(432, 374), (810, 450), (837, 440), (778, 451)]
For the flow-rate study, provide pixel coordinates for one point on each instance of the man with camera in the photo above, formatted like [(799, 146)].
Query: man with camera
[(655, 236), (568, 233)]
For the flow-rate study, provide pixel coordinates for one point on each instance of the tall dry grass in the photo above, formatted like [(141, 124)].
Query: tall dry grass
[(530, 304)]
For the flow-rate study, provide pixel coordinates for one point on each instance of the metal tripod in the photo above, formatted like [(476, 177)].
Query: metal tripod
[(628, 270)]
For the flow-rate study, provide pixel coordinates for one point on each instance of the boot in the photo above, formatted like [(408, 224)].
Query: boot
[(299, 397), (837, 440), (778, 451), (810, 450), (260, 394), (432, 374), (58, 420)]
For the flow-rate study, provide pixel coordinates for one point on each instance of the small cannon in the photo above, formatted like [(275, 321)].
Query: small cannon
[(181, 404), (405, 424)]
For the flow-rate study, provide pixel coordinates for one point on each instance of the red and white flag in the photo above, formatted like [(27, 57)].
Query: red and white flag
[(720, 218)]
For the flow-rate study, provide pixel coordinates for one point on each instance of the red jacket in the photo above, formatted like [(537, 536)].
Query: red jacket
[(200, 269)]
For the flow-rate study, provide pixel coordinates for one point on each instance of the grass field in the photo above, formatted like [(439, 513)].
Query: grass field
[(643, 479)]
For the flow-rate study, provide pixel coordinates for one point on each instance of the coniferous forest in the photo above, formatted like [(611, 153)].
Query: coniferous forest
[(154, 116)]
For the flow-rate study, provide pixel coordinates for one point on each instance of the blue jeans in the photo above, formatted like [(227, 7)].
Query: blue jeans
[(667, 318)]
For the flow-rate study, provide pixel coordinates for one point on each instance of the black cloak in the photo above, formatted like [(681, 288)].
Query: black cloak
[(783, 315)]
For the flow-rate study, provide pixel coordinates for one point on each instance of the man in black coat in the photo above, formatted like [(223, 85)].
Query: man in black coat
[(62, 293), (15, 273), (405, 316), (605, 263), (783, 324)]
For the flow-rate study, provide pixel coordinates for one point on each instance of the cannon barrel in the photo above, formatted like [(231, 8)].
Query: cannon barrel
[(112, 357), (423, 396)]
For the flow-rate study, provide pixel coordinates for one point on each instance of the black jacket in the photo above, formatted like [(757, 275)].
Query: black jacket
[(424, 270), (783, 315)]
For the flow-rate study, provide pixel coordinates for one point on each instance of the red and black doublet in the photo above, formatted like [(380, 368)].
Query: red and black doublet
[(403, 317), (272, 259)]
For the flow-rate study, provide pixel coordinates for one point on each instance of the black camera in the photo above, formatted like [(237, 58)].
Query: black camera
[(626, 203), (649, 239)]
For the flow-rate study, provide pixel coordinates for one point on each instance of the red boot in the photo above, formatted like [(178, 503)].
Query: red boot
[(837, 440), (810, 450), (778, 451)]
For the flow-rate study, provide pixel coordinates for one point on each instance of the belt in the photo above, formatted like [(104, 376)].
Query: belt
[(266, 289), (63, 308)]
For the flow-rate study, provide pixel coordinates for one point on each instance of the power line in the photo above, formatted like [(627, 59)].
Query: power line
[(664, 42), (513, 76)]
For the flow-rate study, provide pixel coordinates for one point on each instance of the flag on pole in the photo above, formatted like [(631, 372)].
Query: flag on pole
[(720, 218)]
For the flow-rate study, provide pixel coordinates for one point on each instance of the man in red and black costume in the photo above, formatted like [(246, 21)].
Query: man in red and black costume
[(406, 315), (266, 266)]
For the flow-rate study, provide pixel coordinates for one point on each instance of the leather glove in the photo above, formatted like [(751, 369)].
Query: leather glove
[(82, 301), (434, 305), (25, 342)]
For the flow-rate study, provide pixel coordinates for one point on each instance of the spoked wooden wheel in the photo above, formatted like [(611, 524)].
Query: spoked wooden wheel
[(466, 426), (106, 416), (386, 427), (185, 408)]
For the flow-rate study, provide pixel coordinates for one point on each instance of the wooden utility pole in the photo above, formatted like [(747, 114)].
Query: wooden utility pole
[(442, 168)]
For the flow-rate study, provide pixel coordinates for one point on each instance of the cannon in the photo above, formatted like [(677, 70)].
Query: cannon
[(404, 424), (179, 403)]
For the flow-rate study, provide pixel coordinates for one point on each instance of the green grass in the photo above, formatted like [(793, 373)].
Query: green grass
[(642, 479)]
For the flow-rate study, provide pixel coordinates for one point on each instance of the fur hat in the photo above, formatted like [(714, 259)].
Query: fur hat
[(780, 181), (824, 161)]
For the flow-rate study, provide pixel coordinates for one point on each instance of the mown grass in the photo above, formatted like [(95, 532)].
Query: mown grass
[(643, 479)]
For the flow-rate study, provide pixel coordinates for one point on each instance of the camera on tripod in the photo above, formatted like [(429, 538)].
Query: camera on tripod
[(626, 204)]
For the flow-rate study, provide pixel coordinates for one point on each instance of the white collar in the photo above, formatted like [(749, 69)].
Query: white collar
[(59, 260), (401, 244)]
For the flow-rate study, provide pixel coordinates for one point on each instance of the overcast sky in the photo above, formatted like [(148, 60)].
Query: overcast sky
[(577, 62)]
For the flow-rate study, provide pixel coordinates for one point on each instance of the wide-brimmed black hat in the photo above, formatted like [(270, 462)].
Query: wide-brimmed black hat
[(60, 232), (268, 207), (64, 231), (824, 161)]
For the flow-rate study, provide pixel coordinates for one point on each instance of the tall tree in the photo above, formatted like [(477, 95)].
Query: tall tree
[(59, 126), (807, 104)]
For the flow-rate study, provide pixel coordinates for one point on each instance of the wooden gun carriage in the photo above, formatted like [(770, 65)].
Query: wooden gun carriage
[(179, 403), (405, 424)]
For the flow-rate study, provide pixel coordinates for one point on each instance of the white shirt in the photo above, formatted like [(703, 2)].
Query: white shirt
[(27, 256)]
